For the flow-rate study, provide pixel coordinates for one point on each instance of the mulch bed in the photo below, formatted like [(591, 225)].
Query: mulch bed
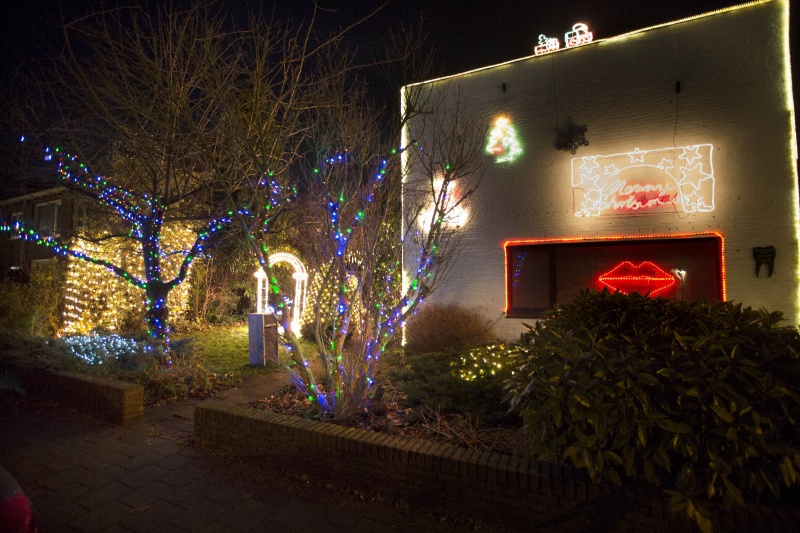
[(392, 417)]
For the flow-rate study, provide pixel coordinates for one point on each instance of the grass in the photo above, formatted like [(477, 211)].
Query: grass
[(222, 350), (204, 362)]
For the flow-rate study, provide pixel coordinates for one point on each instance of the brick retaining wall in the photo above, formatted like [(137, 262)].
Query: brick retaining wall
[(116, 401), (510, 491)]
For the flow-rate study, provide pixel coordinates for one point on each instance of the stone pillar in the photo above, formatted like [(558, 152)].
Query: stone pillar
[(262, 330)]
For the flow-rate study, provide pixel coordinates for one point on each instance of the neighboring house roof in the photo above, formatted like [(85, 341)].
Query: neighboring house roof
[(33, 195)]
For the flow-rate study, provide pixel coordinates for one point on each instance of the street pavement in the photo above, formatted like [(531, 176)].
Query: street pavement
[(82, 474)]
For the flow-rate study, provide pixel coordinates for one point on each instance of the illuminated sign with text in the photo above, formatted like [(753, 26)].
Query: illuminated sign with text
[(679, 179)]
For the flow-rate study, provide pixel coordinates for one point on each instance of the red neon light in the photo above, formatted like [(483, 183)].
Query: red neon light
[(515, 242), (644, 278)]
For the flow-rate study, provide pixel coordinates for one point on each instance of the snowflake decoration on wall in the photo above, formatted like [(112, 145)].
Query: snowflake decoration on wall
[(571, 137)]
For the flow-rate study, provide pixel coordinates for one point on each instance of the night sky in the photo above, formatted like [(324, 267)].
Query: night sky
[(466, 34)]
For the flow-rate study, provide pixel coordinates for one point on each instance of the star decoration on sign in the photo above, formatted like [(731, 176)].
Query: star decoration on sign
[(611, 170), (637, 156), (690, 154), (590, 163)]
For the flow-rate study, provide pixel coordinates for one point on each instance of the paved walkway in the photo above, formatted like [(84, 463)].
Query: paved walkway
[(85, 475)]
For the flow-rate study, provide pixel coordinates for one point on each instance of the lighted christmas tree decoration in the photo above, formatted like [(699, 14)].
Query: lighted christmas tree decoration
[(503, 142)]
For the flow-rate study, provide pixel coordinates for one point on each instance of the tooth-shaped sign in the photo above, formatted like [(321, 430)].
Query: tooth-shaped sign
[(764, 256)]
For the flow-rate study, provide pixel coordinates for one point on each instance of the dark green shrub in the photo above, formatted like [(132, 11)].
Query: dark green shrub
[(33, 307), (701, 399), (438, 328), (441, 382)]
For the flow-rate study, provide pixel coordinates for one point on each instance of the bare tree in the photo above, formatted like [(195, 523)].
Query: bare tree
[(356, 223)]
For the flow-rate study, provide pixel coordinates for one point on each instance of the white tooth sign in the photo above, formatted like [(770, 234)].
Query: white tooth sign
[(678, 179)]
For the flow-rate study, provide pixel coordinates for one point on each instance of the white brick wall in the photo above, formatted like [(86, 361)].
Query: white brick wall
[(734, 95)]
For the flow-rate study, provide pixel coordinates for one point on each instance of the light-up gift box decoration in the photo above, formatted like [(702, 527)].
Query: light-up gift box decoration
[(679, 179), (579, 35), (546, 44)]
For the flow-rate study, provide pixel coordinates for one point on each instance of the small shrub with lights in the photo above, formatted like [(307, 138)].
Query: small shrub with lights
[(464, 382), (108, 349), (700, 399)]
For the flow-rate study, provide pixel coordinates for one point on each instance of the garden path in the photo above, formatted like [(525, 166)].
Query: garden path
[(86, 475)]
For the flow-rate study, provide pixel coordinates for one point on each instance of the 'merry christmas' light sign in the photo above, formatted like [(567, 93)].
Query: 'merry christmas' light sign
[(679, 179)]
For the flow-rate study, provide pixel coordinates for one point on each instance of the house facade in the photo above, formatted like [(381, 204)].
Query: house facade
[(662, 161), (91, 298), (54, 212)]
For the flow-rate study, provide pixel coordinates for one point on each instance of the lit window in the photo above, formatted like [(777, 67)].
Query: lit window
[(542, 274), (15, 217), (46, 218)]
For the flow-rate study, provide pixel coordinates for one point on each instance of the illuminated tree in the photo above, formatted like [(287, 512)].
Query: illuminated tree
[(183, 117), (353, 229), (145, 220)]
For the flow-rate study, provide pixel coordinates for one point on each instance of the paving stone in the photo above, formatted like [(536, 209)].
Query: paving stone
[(101, 518), (319, 526), (367, 525), (56, 479), (184, 475), (344, 518), (216, 527), (295, 515), (140, 459), (247, 515), (116, 528), (230, 496), (147, 494), (47, 500), (101, 477), (139, 478), (104, 495), (272, 527), (152, 518), (199, 515), (175, 461), (69, 511), (104, 458), (192, 493)]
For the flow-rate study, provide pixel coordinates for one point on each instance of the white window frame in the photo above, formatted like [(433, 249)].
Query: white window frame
[(15, 217), (55, 230)]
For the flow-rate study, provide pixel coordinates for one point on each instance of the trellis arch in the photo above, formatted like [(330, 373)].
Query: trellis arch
[(300, 276)]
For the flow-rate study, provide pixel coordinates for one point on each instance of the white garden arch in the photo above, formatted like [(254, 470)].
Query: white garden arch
[(300, 276)]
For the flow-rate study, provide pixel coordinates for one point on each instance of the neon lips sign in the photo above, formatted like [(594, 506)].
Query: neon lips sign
[(644, 278), (644, 182)]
